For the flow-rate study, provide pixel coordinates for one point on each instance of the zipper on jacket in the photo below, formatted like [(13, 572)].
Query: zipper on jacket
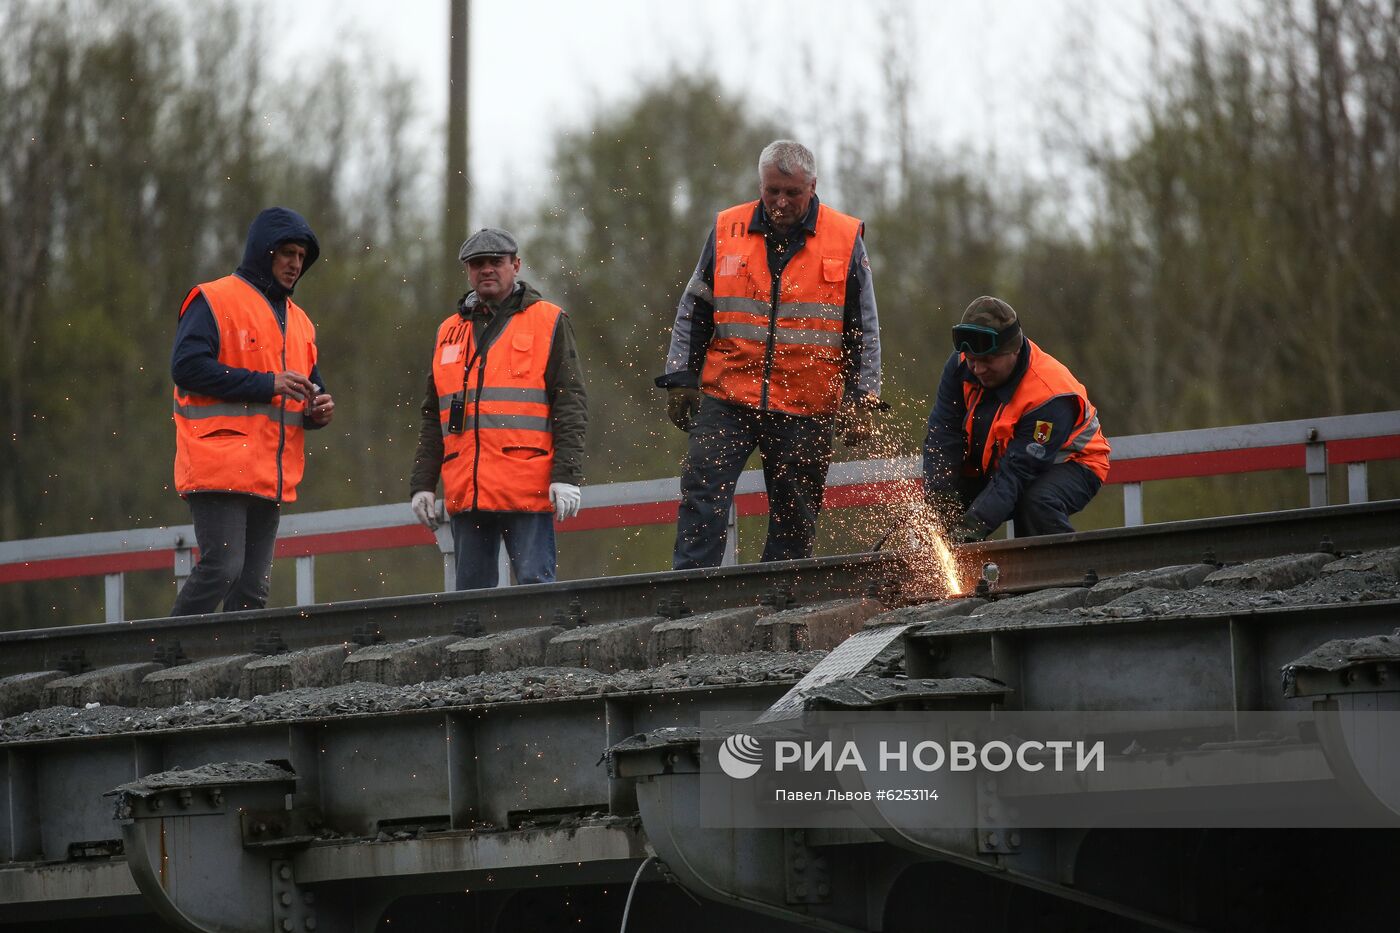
[(282, 417), (768, 349), (478, 358)]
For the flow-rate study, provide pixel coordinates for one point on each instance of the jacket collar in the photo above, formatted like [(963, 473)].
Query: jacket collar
[(1003, 392), (759, 223), (521, 296)]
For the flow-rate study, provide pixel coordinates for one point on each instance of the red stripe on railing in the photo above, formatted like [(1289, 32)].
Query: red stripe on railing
[(1210, 463), (751, 503), (877, 493), (91, 566), (1361, 449), (622, 516), (339, 542)]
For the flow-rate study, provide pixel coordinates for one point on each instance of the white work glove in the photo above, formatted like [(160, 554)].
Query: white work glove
[(425, 508), (566, 499)]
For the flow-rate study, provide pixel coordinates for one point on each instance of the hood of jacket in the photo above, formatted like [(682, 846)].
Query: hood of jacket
[(270, 229)]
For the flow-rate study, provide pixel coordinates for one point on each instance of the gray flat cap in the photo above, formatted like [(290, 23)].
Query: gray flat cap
[(488, 241)]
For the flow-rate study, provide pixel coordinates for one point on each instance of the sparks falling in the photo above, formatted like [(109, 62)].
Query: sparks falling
[(910, 526)]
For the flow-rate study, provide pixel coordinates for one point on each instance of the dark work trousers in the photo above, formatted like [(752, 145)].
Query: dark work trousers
[(1047, 503), (236, 534), (796, 451), (477, 537)]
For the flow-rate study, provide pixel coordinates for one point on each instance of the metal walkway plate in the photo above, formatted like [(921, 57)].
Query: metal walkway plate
[(847, 660)]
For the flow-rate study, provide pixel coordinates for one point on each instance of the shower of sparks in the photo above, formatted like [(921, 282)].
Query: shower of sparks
[(903, 521)]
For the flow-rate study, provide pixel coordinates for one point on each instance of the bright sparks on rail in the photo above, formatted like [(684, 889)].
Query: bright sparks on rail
[(905, 525)]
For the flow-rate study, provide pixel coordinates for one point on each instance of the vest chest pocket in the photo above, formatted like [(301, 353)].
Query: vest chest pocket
[(831, 288), (733, 276), (522, 346)]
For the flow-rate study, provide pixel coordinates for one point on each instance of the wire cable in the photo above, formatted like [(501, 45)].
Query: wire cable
[(633, 890)]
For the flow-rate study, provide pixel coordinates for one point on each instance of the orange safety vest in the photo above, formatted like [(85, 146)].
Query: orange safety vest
[(779, 348), (246, 447), (502, 459), (1045, 378)]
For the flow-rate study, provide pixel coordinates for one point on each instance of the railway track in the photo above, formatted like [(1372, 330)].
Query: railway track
[(478, 804), (1025, 564)]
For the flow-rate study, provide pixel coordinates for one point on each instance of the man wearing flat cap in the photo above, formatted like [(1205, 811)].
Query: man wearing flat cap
[(504, 419), (1012, 433)]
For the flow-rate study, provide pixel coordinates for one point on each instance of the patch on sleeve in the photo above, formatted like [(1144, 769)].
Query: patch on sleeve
[(1042, 431), (451, 353), (865, 262), (1036, 450)]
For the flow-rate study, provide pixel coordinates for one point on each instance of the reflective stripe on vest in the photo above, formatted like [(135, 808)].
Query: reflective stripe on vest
[(1045, 379), (255, 448), (779, 349), (507, 440), (227, 410)]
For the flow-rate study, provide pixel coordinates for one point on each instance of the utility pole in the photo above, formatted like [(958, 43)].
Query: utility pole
[(458, 194)]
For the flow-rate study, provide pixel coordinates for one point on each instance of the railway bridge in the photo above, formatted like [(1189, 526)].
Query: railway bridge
[(551, 757)]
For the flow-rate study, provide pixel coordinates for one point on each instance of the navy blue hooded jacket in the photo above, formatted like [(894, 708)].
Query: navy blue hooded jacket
[(194, 363)]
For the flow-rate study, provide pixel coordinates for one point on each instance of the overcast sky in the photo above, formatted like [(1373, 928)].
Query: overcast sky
[(983, 68)]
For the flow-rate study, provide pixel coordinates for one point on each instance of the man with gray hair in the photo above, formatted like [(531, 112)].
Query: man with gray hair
[(775, 346)]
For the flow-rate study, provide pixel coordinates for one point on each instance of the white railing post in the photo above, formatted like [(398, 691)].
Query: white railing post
[(445, 543), (184, 562), (731, 538), (1357, 490), (502, 566), (114, 585), (306, 579), (1132, 505), (1315, 464)]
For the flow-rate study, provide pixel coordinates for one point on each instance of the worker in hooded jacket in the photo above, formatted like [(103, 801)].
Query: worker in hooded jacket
[(247, 387), (504, 419), (1011, 435)]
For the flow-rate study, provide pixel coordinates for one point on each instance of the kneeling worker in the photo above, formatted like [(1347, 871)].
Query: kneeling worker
[(503, 421), (1011, 435)]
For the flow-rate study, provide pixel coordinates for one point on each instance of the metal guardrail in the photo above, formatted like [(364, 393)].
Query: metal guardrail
[(1309, 444)]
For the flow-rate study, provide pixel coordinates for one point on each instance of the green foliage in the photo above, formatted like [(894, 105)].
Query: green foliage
[(133, 170), (1231, 263), (619, 237)]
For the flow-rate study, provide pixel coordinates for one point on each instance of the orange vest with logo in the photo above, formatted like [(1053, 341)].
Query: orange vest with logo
[(246, 447), (1045, 378), (779, 350), (502, 459)]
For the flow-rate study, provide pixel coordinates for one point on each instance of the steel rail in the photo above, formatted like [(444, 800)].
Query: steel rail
[(1055, 560), (1060, 560)]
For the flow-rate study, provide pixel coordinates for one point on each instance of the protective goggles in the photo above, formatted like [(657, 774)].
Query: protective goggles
[(980, 340)]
